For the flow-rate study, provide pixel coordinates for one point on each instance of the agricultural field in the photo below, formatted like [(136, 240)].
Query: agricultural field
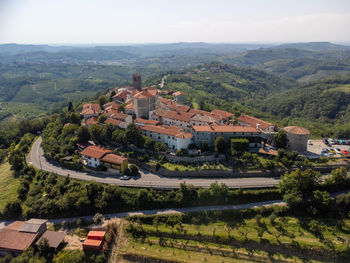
[(256, 238), (8, 184)]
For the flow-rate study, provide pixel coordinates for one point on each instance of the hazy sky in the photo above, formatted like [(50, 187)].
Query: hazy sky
[(145, 21)]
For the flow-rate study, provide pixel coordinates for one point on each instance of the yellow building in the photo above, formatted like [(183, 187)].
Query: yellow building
[(114, 163)]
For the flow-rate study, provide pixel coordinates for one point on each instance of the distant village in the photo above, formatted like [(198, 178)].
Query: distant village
[(164, 116)]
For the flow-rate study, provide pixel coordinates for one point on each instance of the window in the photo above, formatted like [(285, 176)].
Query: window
[(158, 137), (242, 133)]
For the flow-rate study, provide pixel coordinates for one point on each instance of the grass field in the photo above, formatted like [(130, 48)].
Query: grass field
[(8, 185), (259, 239)]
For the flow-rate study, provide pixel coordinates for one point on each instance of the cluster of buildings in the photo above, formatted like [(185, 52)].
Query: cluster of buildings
[(94, 156), (162, 116), (20, 235), (94, 240)]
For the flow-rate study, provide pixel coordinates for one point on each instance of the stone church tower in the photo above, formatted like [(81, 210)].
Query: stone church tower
[(136, 81)]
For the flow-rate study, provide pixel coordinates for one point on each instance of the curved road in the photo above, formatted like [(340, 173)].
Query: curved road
[(145, 179)]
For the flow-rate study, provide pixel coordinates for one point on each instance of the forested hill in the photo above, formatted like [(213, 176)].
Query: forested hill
[(301, 65), (221, 85)]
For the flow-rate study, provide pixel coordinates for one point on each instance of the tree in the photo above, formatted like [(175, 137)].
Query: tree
[(338, 177), (121, 108), (133, 135), (204, 146), (119, 136), (97, 218), (149, 143), (108, 131), (239, 145), (96, 132), (281, 139), (102, 100), (220, 145), (160, 147), (70, 106), (112, 95), (83, 134), (44, 247), (12, 209), (134, 170), (102, 118)]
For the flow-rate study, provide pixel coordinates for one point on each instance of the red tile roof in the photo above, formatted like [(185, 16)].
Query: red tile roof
[(91, 108), (112, 121), (180, 116), (252, 121), (15, 240), (95, 152), (15, 225), (177, 93), (91, 120), (143, 95), (152, 91), (130, 106), (297, 130), (119, 116), (143, 121), (113, 158), (225, 128), (225, 114), (92, 243), (96, 234), (167, 130)]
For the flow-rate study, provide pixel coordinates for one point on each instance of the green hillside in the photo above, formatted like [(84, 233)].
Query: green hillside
[(223, 86)]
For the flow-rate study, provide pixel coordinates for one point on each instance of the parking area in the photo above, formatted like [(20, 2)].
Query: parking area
[(315, 147)]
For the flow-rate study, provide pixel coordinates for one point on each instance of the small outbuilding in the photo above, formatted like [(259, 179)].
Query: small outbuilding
[(297, 138), (92, 244), (54, 238), (96, 235)]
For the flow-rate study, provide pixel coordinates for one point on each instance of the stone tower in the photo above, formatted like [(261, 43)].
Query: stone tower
[(136, 81)]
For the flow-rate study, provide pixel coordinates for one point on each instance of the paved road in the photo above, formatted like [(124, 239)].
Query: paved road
[(146, 178), (165, 211)]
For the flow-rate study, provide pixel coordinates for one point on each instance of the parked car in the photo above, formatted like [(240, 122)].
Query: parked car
[(325, 150), (325, 154), (309, 142), (337, 150), (325, 141), (331, 141), (345, 152), (331, 150), (124, 177)]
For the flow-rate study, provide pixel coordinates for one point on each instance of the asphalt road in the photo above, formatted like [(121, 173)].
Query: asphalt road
[(146, 178)]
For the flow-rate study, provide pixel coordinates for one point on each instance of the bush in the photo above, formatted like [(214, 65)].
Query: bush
[(97, 218), (134, 170)]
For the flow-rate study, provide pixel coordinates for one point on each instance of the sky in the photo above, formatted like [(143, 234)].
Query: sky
[(169, 21)]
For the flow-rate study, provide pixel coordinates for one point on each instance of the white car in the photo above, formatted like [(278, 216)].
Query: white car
[(337, 150), (309, 142), (124, 177)]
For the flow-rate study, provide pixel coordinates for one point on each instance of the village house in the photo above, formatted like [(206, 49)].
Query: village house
[(245, 120), (20, 235), (90, 110), (94, 156), (179, 119), (180, 97), (91, 120), (172, 136), (209, 134)]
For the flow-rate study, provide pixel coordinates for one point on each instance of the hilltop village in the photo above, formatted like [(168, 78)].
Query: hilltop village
[(163, 116)]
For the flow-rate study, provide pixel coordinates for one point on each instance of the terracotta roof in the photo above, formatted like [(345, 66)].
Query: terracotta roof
[(167, 130), (122, 94), (113, 121), (182, 108), (15, 225), (252, 121), (119, 116), (92, 242), (205, 128), (143, 95), (54, 238), (93, 233), (297, 130), (222, 113), (130, 106), (177, 93), (91, 120), (180, 116), (224, 128), (110, 111), (143, 121), (150, 90), (95, 152), (113, 158), (15, 240), (202, 118), (91, 108), (236, 128)]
